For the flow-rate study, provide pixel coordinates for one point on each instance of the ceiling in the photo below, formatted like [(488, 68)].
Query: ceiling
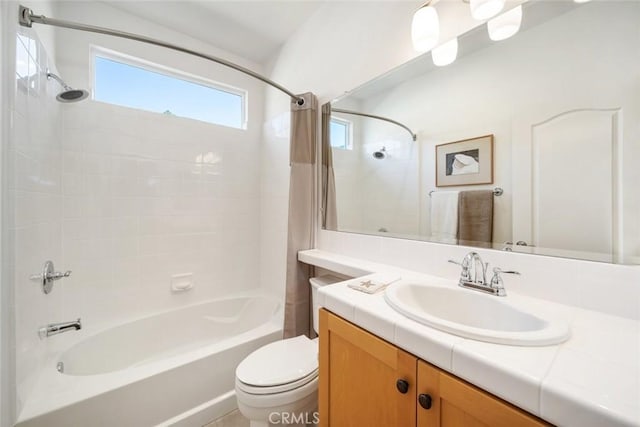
[(254, 30)]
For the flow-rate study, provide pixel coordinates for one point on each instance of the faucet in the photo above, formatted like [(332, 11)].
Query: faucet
[(472, 263), (470, 278), (58, 328)]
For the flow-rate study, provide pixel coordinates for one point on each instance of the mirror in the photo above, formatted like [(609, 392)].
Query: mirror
[(529, 144)]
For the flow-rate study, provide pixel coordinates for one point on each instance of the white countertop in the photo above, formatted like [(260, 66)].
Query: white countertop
[(592, 379)]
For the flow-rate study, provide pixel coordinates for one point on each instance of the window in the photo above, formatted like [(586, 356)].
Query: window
[(135, 84), (340, 133)]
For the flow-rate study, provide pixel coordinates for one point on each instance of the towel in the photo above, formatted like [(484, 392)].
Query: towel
[(444, 215), (475, 216)]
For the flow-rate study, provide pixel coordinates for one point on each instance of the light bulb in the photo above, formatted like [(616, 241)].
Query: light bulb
[(506, 25), (580, 1), (425, 29), (446, 53), (485, 9)]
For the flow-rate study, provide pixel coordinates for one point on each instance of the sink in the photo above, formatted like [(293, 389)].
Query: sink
[(474, 315)]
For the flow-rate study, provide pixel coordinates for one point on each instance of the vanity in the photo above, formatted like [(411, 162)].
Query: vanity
[(358, 373), (381, 368), (539, 124)]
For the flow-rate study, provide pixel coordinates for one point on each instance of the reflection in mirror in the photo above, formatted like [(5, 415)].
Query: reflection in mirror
[(548, 116)]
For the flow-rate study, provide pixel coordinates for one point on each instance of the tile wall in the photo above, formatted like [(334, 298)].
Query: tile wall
[(125, 199), (35, 220)]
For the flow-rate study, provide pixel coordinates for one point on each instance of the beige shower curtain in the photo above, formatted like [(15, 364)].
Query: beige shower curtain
[(302, 160), (329, 212)]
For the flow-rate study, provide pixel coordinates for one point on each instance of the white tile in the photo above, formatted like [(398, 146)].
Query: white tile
[(510, 372), (377, 317), (97, 164), (590, 392), (434, 346), (335, 301), (74, 184)]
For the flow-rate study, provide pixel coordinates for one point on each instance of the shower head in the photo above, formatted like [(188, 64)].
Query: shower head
[(380, 154), (69, 94)]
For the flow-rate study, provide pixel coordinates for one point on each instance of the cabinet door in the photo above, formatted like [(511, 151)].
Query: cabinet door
[(455, 403), (359, 376)]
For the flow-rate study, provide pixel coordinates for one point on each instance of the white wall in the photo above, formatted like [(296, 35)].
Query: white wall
[(7, 357), (340, 47), (126, 198), (35, 201), (385, 26)]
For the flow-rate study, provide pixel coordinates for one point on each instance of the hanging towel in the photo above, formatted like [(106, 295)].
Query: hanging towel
[(475, 216), (444, 216)]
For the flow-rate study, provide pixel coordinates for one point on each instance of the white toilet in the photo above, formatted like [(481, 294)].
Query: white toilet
[(277, 385)]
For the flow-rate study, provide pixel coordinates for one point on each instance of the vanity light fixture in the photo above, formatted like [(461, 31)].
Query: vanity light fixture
[(581, 1), (506, 25), (485, 9), (425, 27), (446, 53)]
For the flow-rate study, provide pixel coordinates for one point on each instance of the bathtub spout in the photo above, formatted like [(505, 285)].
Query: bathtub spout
[(58, 328)]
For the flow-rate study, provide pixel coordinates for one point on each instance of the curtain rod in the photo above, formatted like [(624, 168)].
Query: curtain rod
[(371, 116), (27, 18)]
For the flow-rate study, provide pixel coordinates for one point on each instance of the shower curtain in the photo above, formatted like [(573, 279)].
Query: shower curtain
[(302, 158), (328, 208)]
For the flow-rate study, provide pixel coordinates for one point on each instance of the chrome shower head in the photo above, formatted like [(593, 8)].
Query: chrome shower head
[(69, 94), (380, 154)]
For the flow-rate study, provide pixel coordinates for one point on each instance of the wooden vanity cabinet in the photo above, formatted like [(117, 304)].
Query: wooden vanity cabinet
[(366, 381)]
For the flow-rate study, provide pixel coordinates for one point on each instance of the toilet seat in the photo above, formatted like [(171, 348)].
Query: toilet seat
[(251, 389), (279, 367)]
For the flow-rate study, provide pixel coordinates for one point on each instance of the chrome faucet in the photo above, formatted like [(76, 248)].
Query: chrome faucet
[(469, 278), (58, 328)]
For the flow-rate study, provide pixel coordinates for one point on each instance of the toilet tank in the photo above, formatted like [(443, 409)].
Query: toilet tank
[(316, 283)]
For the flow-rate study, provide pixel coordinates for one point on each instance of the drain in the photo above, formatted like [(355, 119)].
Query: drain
[(60, 367)]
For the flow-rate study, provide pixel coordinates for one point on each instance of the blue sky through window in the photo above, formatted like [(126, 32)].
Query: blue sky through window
[(130, 86), (339, 134)]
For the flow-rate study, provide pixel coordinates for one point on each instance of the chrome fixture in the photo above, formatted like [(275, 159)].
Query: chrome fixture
[(48, 276), (27, 18), (58, 328), (474, 275), (69, 94), (60, 367), (496, 281), (372, 116), (381, 154)]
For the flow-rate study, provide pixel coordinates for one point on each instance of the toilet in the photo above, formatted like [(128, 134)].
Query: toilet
[(277, 385)]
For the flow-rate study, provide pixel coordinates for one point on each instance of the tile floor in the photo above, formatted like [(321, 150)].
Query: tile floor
[(232, 419)]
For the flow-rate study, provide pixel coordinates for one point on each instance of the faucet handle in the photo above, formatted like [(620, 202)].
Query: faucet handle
[(496, 280), (464, 274), (497, 271)]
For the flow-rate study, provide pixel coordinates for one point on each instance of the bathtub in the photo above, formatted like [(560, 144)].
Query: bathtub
[(174, 368)]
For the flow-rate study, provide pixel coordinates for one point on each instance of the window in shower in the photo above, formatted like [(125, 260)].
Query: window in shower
[(129, 82), (340, 133)]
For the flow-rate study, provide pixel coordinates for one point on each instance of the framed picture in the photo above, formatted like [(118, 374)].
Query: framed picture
[(466, 162)]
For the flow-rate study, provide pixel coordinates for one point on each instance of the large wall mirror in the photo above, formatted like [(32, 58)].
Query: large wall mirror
[(529, 144)]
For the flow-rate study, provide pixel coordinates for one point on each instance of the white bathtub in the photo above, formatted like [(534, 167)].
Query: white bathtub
[(174, 368)]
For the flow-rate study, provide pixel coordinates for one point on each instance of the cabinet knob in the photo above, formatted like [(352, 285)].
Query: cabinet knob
[(424, 400), (402, 386)]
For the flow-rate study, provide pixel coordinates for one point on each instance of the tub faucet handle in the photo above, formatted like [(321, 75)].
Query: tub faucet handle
[(48, 276)]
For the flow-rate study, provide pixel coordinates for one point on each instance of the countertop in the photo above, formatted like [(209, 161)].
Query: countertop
[(592, 379)]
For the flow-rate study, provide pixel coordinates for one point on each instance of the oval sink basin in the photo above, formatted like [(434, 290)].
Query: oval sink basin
[(471, 314)]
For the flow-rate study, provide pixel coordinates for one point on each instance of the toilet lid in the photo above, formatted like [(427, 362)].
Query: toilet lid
[(279, 363)]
